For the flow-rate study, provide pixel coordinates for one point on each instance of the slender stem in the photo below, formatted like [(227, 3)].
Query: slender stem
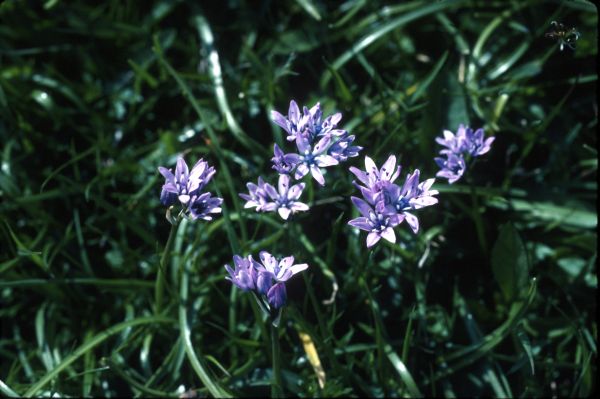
[(276, 387), (232, 321), (184, 328), (259, 316), (478, 221), (159, 287)]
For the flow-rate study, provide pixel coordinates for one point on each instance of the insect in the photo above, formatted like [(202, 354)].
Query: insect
[(563, 35)]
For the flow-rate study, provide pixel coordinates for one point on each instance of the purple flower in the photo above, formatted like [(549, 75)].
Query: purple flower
[(284, 163), (454, 143), (319, 143), (277, 295), (265, 198), (474, 143), (311, 125), (167, 198), (374, 178), (423, 195), (273, 274), (388, 204), (244, 275), (184, 184), (308, 123), (379, 225), (257, 196), (411, 196), (465, 142), (186, 187), (342, 150), (289, 124), (313, 158), (266, 279), (285, 199), (451, 168), (203, 205)]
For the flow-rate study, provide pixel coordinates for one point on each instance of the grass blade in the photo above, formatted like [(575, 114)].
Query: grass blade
[(90, 345)]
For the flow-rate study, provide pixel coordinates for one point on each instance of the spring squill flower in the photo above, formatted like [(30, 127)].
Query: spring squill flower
[(387, 204), (284, 164), (185, 187), (313, 127), (374, 178), (285, 199), (272, 276), (291, 123), (265, 198), (411, 196), (203, 205), (313, 158), (257, 196), (308, 122), (267, 279), (378, 224), (466, 143), (454, 143), (452, 167), (319, 142), (342, 148), (184, 184), (474, 143), (244, 275)]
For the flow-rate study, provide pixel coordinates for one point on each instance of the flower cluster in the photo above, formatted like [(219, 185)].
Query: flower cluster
[(385, 204), (318, 141), (186, 186), (465, 143), (264, 198), (267, 278)]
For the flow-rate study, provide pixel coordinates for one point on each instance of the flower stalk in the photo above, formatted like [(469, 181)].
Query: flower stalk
[(159, 286), (276, 386), (185, 331)]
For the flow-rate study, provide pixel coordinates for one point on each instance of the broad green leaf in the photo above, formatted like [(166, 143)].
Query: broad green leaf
[(509, 263)]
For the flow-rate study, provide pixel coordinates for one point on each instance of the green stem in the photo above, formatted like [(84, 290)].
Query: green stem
[(259, 316), (184, 328), (478, 221), (159, 287), (276, 387), (232, 320)]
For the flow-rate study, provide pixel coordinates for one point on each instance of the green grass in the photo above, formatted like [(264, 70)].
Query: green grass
[(495, 296)]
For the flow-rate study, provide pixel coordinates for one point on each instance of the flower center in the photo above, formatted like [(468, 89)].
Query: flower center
[(309, 158), (401, 203)]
